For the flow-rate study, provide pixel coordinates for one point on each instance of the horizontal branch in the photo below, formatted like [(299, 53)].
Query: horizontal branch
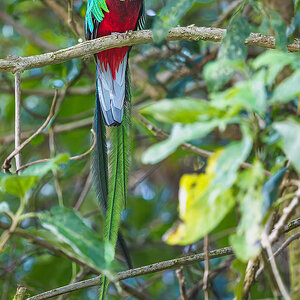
[(88, 48), (160, 266), (84, 123)]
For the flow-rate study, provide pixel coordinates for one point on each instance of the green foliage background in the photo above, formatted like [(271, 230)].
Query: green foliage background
[(242, 102)]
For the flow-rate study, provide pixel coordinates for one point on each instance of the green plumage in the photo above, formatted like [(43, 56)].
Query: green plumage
[(118, 178), (119, 154), (100, 165), (95, 8)]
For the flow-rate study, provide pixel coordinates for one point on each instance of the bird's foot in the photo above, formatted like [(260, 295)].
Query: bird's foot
[(128, 33)]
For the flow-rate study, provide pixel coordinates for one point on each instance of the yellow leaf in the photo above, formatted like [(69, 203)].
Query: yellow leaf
[(195, 205), (174, 235)]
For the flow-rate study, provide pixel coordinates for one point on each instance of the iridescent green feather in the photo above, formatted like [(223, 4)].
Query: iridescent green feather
[(119, 159), (94, 8)]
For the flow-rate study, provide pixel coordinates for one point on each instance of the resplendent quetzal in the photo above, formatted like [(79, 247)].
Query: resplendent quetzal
[(112, 109)]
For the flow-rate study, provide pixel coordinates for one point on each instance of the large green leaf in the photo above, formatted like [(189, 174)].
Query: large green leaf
[(19, 185), (290, 133), (275, 60), (270, 189), (233, 45), (232, 53), (180, 110), (245, 241), (179, 135), (230, 160), (249, 95), (219, 72), (275, 24), (287, 90), (69, 229)]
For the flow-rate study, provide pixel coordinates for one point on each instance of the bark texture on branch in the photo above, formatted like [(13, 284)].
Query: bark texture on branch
[(89, 48)]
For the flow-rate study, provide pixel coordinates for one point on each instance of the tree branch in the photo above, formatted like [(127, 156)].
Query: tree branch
[(6, 165), (88, 48), (157, 267), (17, 119)]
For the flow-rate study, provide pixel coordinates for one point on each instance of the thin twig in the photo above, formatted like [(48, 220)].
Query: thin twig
[(76, 157), (89, 48), (286, 243), (181, 280), (54, 171), (292, 225), (265, 241), (157, 267), (80, 156), (280, 249), (269, 272), (287, 212), (85, 191), (206, 270), (192, 292), (6, 165), (57, 129), (17, 119), (61, 9), (21, 293), (253, 265)]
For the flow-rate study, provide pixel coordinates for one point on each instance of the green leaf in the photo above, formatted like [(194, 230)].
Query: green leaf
[(297, 6), (230, 160), (290, 133), (18, 185), (180, 110), (179, 135), (245, 241), (169, 17), (69, 228), (240, 268), (288, 90), (219, 72), (275, 61), (205, 199), (232, 53), (233, 45), (43, 168), (279, 28), (249, 95), (271, 188)]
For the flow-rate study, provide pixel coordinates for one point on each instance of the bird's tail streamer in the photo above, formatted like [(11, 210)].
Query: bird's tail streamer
[(119, 154)]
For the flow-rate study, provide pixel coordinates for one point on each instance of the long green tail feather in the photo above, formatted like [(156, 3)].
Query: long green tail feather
[(117, 192), (100, 165)]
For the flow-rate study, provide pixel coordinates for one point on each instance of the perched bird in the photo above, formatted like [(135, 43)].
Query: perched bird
[(113, 110), (105, 18)]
